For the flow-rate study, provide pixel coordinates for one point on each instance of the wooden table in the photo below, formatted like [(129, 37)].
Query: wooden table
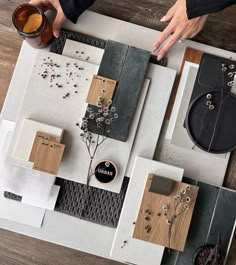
[(143, 13)]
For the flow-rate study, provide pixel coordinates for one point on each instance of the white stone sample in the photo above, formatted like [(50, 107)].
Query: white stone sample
[(138, 251), (17, 212), (48, 204), (27, 134), (44, 102), (22, 181)]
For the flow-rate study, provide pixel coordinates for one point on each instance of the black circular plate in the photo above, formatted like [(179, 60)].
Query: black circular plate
[(204, 131), (105, 171)]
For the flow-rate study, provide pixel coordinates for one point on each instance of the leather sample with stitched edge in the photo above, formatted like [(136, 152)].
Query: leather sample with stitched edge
[(127, 65)]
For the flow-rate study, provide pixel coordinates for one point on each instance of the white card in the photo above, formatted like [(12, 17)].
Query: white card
[(21, 213)]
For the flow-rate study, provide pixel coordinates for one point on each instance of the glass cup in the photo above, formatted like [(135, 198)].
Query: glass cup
[(32, 25)]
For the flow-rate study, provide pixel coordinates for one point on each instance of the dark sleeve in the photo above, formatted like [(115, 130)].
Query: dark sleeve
[(74, 8), (196, 8)]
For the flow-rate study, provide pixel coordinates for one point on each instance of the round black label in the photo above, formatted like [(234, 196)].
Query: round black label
[(105, 171)]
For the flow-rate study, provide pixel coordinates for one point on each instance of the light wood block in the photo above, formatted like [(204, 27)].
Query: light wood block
[(26, 135), (159, 233), (48, 156), (43, 136), (98, 85)]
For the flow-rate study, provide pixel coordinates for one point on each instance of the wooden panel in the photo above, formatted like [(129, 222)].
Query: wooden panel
[(43, 136), (101, 87), (48, 156), (190, 55), (151, 214)]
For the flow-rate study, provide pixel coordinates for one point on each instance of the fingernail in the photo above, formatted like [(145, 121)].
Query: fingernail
[(159, 57), (163, 19), (154, 49), (56, 34)]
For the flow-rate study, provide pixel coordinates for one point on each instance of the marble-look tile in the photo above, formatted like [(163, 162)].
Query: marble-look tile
[(18, 212), (133, 250)]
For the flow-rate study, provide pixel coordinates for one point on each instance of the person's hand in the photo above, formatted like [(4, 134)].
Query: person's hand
[(52, 4), (179, 28)]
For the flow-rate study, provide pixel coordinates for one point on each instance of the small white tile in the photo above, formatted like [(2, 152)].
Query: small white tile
[(48, 204), (83, 52), (26, 137), (20, 213)]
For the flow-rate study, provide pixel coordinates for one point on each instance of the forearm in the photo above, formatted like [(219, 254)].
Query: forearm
[(196, 8), (74, 8)]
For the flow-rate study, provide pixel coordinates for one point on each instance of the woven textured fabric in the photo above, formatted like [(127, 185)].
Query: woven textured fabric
[(12, 196), (59, 43), (86, 202), (89, 203)]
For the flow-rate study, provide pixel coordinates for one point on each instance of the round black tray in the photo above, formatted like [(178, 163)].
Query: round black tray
[(200, 118)]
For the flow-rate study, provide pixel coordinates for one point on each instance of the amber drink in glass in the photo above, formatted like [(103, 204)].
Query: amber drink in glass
[(32, 25)]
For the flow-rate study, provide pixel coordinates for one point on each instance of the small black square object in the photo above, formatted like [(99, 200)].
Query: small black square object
[(161, 185)]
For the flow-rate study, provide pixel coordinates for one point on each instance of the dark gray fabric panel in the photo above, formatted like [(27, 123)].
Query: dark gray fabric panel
[(200, 223), (224, 218), (113, 60), (128, 66)]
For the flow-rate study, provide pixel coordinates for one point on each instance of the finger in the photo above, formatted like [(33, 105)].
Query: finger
[(44, 7), (170, 43), (190, 34), (163, 36), (60, 18), (169, 14)]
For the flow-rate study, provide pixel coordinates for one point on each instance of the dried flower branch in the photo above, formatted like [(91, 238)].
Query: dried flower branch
[(181, 204), (104, 117)]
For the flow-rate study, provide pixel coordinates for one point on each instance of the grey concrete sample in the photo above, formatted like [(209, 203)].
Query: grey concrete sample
[(161, 185)]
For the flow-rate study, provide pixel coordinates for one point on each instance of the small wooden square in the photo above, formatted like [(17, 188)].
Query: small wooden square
[(100, 87), (48, 156), (43, 136), (152, 223)]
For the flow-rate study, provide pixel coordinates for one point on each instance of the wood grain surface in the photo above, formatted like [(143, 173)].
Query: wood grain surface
[(44, 136), (151, 216), (98, 85), (219, 31), (48, 156)]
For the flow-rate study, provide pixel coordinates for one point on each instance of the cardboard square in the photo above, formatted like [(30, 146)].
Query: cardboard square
[(161, 185), (99, 84), (48, 156), (151, 215), (43, 136)]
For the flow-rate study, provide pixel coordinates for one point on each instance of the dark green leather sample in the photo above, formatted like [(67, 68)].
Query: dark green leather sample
[(127, 65)]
